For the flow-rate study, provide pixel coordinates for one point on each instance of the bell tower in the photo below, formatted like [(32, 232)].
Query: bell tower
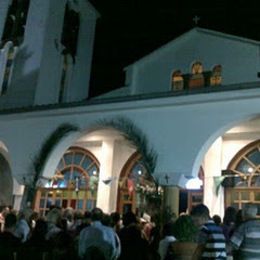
[(46, 51)]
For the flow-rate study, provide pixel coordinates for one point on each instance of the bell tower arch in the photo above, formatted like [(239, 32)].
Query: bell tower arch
[(54, 41)]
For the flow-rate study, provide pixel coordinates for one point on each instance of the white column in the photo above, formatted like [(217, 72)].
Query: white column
[(212, 168), (171, 198), (106, 166), (17, 195)]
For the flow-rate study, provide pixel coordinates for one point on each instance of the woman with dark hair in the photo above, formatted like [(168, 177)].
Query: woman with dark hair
[(133, 245), (229, 221)]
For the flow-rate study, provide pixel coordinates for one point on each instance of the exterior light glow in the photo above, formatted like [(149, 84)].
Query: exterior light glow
[(194, 184)]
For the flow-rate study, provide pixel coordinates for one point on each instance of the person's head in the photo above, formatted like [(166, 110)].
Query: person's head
[(168, 229), (200, 214), (217, 219), (68, 214), (96, 214), (249, 211), (10, 220), (129, 218), (54, 216), (115, 216), (230, 215), (40, 229)]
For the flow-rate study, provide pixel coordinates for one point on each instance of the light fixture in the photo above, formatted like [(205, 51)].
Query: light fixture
[(250, 169), (194, 184)]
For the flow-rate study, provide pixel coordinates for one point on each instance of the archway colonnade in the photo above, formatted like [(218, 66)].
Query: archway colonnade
[(184, 139)]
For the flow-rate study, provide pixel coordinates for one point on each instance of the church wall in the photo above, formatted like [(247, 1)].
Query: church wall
[(51, 62), (179, 129), (78, 89), (38, 65), (239, 60), (28, 60)]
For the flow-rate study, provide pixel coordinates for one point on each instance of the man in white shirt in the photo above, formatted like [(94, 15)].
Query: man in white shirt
[(98, 238)]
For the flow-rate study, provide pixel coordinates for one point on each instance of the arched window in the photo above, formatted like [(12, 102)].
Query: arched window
[(7, 54), (177, 80), (136, 188), (15, 22), (216, 76), (197, 77), (69, 42), (74, 183), (243, 179)]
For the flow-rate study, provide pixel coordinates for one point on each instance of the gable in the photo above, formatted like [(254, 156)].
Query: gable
[(238, 57)]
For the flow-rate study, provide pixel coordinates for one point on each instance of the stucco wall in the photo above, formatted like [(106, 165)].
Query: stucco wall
[(239, 60)]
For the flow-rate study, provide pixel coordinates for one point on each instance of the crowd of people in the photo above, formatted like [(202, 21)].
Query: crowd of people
[(72, 234)]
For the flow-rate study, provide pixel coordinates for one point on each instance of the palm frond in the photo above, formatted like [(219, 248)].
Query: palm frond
[(135, 136), (50, 142)]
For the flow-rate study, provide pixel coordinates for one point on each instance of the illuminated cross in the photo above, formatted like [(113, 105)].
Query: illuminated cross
[(196, 19)]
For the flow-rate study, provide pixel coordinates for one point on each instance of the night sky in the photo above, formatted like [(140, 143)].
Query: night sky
[(129, 29)]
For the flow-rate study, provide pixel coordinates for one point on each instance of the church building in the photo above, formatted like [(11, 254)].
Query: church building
[(184, 129)]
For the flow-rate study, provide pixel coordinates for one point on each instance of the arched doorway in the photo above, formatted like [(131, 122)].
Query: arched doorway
[(6, 183), (74, 183), (193, 195), (137, 190), (242, 181)]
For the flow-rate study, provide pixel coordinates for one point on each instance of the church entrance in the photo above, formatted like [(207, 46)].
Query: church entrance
[(193, 194), (74, 183), (137, 191), (6, 183)]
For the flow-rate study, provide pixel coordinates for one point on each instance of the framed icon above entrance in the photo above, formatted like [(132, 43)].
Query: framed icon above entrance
[(74, 183)]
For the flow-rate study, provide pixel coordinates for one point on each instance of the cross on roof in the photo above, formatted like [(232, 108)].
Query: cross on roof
[(196, 19), (166, 178)]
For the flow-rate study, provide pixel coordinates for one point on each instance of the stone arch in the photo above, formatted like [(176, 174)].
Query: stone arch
[(6, 180), (211, 138), (57, 152)]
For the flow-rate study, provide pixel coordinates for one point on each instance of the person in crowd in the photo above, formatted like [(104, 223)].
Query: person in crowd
[(98, 240), (106, 220), (134, 245), (246, 237), (168, 237), (116, 221), (54, 218), (68, 217), (217, 219), (33, 218), (229, 221), (9, 243), (36, 247), (3, 213), (85, 222), (239, 218), (23, 229), (210, 236), (155, 236)]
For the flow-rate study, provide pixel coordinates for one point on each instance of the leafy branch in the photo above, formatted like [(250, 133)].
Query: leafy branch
[(135, 136)]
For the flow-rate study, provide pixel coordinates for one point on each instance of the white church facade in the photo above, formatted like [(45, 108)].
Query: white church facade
[(188, 111)]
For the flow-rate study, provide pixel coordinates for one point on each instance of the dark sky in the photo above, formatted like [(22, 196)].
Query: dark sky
[(129, 29)]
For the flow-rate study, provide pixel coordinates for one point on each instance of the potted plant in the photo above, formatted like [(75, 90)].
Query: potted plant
[(185, 245)]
